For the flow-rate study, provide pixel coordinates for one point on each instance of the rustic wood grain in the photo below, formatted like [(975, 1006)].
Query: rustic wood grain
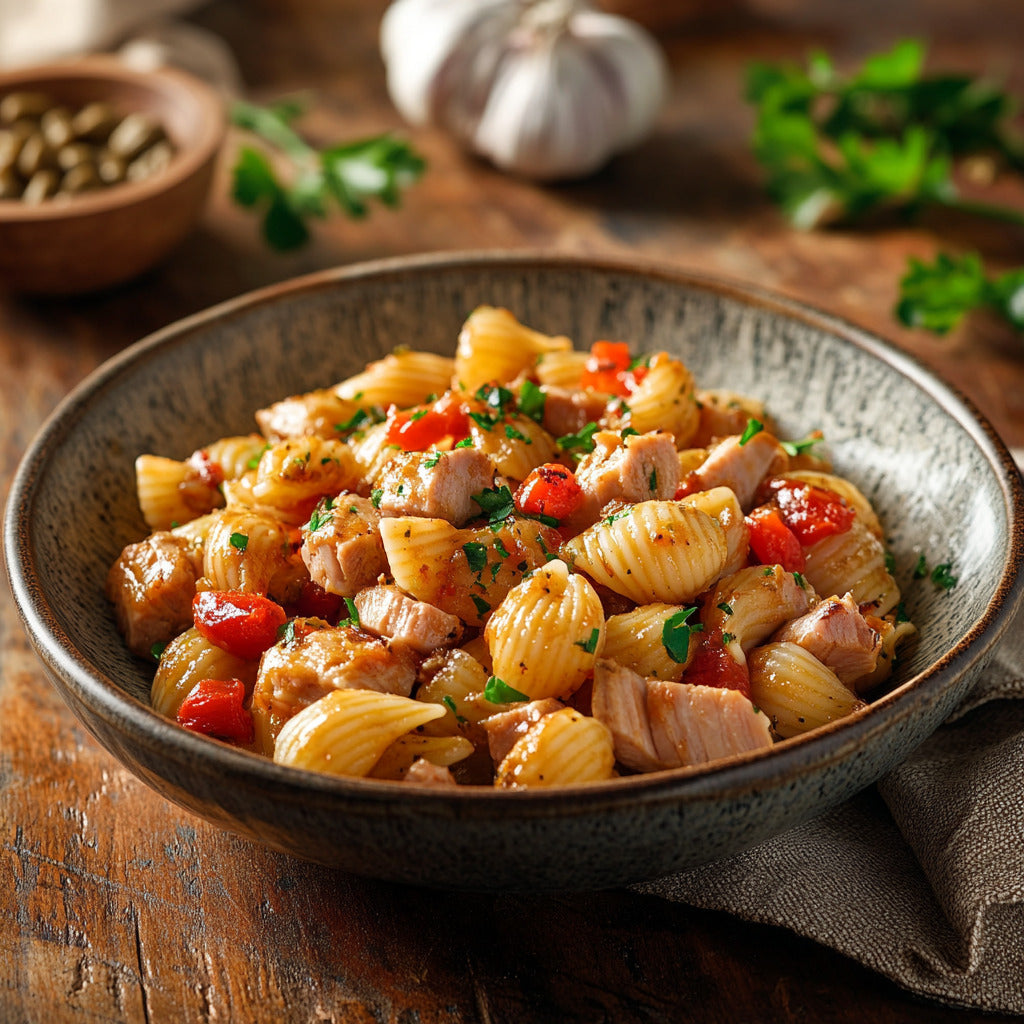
[(122, 908)]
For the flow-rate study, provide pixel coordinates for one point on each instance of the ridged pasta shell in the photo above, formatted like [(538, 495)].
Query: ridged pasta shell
[(654, 551), (547, 633), (634, 639), (795, 690), (722, 504), (188, 659), (443, 751), (665, 400), (561, 749), (347, 731), (495, 346), (297, 472), (561, 369), (244, 550), (515, 446), (402, 378), (853, 562)]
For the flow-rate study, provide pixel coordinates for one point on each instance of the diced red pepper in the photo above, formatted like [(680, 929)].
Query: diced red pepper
[(415, 430), (206, 470), (316, 603), (215, 707), (812, 513), (608, 369), (244, 625), (713, 665), (772, 541), (549, 490)]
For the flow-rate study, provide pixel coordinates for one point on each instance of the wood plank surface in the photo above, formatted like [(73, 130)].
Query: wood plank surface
[(123, 908)]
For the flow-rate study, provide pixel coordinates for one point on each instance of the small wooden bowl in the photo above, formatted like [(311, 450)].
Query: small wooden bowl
[(107, 236)]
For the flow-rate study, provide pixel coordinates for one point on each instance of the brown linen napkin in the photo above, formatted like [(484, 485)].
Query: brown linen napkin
[(920, 878)]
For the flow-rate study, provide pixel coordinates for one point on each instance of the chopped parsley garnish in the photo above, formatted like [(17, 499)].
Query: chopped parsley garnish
[(676, 633), (500, 548), (497, 691), (449, 702), (254, 460), (652, 481), (629, 432), (375, 496), (590, 644), (727, 638), (495, 396), (799, 580), (582, 441), (496, 503), (485, 420), (432, 460), (513, 434), (804, 445), (466, 442), (353, 613), (943, 577), (482, 607), (724, 607), (476, 555), (158, 649), (239, 541), (531, 401), (286, 633), (753, 428), (921, 569), (322, 514), (357, 419), (890, 563)]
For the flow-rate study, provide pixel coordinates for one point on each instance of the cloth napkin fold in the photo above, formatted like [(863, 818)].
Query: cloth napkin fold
[(921, 877)]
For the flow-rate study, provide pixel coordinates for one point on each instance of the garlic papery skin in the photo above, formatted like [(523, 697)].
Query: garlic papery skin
[(547, 89)]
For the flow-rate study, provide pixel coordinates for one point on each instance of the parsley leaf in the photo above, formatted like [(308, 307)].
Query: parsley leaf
[(936, 296), (344, 176), (590, 644), (496, 503), (804, 445), (676, 632), (476, 556), (532, 400), (582, 441), (752, 428), (497, 691)]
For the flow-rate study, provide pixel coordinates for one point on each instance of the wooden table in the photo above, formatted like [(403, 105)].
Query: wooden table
[(120, 907)]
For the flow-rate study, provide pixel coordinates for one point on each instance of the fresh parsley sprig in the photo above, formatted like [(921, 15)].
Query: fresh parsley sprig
[(887, 137), (343, 176), (937, 296)]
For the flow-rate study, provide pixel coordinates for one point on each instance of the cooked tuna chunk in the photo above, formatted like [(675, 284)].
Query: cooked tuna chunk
[(386, 611), (639, 467), (435, 485), (739, 466), (422, 773), (657, 724), (506, 727), (320, 413), (151, 586), (838, 635), (341, 545), (568, 412), (295, 673)]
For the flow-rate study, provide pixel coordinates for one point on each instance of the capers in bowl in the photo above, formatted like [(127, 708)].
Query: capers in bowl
[(51, 151)]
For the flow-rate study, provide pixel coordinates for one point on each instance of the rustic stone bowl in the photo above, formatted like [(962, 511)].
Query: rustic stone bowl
[(107, 236), (943, 483)]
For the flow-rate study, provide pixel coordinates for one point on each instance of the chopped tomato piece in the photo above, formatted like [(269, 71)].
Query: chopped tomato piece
[(713, 665), (206, 470), (608, 369), (415, 430), (316, 603), (215, 707), (244, 625), (772, 541), (549, 490), (812, 513)]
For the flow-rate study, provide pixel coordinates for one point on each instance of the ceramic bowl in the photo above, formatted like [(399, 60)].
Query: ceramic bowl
[(107, 236), (942, 481)]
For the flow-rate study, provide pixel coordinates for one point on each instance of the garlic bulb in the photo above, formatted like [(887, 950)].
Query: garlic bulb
[(544, 88)]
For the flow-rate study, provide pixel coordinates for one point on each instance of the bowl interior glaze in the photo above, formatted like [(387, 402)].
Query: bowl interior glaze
[(928, 462)]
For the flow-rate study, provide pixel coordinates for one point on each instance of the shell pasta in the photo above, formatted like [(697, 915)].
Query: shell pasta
[(520, 566)]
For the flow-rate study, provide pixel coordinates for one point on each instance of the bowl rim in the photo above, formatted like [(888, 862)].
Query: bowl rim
[(727, 779), (186, 162)]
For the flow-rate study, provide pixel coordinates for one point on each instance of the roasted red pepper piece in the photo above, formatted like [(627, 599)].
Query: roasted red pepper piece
[(215, 707), (549, 490), (608, 369), (812, 513), (244, 625), (772, 541), (713, 665), (415, 430)]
